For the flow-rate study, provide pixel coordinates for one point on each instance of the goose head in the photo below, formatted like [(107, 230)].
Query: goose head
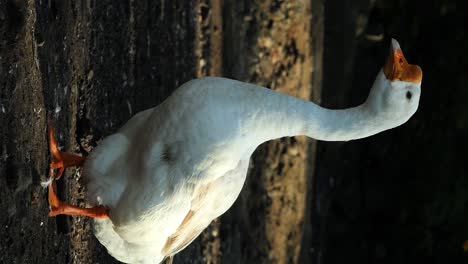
[(397, 88)]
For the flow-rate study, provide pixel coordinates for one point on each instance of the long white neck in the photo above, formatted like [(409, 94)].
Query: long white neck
[(309, 119), (272, 115)]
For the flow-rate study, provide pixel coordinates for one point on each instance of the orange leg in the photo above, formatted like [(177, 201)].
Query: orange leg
[(58, 207), (61, 160)]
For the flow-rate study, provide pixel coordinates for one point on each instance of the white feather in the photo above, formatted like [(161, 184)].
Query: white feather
[(46, 183)]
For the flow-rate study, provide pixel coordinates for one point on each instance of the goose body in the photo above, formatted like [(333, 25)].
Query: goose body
[(170, 170)]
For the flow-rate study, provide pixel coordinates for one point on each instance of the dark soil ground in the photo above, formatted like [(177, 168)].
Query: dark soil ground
[(398, 197)]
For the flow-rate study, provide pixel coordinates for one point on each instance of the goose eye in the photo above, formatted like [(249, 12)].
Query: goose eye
[(408, 95)]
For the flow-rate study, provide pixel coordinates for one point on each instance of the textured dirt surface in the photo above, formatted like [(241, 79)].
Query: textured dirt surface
[(273, 201), (91, 66)]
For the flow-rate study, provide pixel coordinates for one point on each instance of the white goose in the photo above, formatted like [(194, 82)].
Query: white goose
[(170, 170)]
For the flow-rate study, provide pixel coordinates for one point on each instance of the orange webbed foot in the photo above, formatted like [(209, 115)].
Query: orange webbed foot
[(61, 160), (58, 207)]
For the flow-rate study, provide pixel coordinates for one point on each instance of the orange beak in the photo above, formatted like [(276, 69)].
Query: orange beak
[(397, 68)]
